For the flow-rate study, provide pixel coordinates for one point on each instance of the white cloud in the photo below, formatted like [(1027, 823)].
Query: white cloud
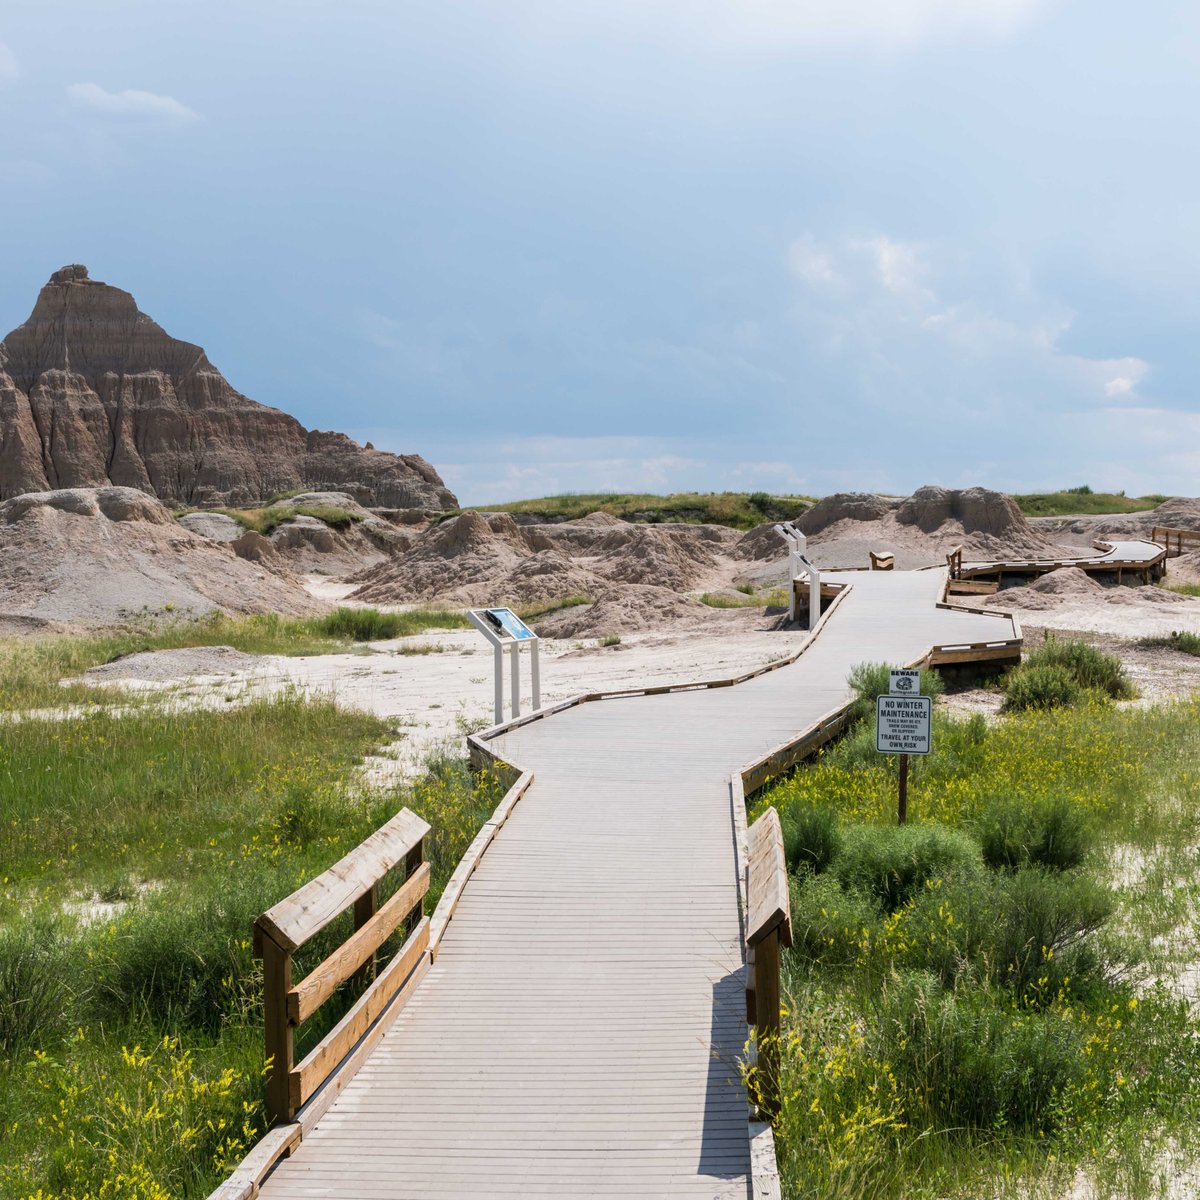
[(899, 265), (130, 103), (10, 69), (810, 262)]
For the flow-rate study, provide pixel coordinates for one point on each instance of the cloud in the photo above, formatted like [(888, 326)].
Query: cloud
[(809, 262), (10, 69), (130, 103), (783, 25)]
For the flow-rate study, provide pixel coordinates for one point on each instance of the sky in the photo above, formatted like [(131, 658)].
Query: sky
[(645, 245)]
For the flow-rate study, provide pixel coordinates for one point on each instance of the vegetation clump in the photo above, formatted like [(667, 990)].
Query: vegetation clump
[(1080, 501), (1182, 640), (1061, 674), (960, 997)]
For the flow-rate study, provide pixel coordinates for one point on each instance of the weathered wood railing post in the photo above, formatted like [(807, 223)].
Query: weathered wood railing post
[(283, 929), (768, 929)]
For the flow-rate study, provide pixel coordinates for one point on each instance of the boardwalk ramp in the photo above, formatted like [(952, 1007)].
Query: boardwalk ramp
[(580, 1025)]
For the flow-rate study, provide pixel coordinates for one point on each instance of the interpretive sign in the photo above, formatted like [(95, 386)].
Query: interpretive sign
[(507, 621), (903, 724)]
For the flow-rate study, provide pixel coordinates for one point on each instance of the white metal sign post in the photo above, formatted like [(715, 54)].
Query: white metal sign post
[(506, 631), (904, 726)]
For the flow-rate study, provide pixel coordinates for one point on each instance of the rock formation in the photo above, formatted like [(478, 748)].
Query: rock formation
[(93, 392), (105, 556)]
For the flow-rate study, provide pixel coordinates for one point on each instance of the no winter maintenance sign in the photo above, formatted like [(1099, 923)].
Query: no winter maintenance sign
[(903, 725)]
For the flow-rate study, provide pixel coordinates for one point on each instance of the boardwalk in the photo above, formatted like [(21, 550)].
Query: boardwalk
[(1134, 555), (580, 1031)]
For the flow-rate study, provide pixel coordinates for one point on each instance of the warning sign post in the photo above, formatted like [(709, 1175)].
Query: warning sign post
[(903, 726)]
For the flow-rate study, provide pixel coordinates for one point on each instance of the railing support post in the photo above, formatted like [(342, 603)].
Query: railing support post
[(768, 929), (767, 1023), (277, 982)]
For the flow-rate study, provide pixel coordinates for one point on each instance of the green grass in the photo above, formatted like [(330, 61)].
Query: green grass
[(776, 598), (1181, 640), (1082, 501), (30, 669), (1183, 589), (267, 519), (739, 510), (131, 1043), (533, 612), (970, 1001)]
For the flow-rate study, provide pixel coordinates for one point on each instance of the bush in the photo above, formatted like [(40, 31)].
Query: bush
[(973, 1059), (1059, 674), (1089, 667), (35, 998), (1015, 834), (893, 863), (870, 680), (1041, 687), (829, 923), (1041, 936), (811, 837)]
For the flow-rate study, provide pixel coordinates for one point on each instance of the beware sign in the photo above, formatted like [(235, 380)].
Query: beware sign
[(904, 681), (904, 724)]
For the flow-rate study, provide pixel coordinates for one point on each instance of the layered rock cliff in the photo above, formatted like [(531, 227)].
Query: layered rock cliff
[(93, 392)]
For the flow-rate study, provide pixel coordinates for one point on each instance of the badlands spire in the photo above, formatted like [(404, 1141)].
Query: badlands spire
[(93, 392)]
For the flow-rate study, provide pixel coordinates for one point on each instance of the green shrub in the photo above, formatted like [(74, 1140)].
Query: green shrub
[(35, 997), (811, 837), (1042, 934), (829, 923), (1181, 640), (1090, 668), (1059, 674), (870, 680), (973, 1060), (1041, 687), (892, 863), (1013, 833)]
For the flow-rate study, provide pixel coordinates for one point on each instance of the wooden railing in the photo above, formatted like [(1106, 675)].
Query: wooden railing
[(293, 922), (954, 562), (768, 928), (1176, 541), (883, 562)]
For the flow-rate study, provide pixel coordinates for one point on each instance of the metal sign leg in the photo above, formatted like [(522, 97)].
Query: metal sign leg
[(516, 679), (499, 673), (536, 676)]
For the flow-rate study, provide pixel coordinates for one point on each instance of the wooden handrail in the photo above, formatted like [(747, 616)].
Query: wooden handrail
[(885, 561), (768, 927), (1175, 541), (287, 926), (954, 562)]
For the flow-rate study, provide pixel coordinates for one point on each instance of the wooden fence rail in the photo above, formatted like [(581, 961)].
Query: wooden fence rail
[(768, 928), (291, 923), (1176, 541)]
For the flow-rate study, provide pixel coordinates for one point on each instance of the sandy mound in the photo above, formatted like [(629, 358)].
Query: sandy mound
[(763, 544), (163, 666), (844, 506), (1073, 587), (1066, 581), (921, 530), (99, 556), (488, 557), (1185, 568), (631, 609), (217, 527)]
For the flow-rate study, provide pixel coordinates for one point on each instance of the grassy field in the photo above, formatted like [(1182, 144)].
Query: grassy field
[(30, 670), (972, 1005), (1082, 501), (135, 853), (740, 510)]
